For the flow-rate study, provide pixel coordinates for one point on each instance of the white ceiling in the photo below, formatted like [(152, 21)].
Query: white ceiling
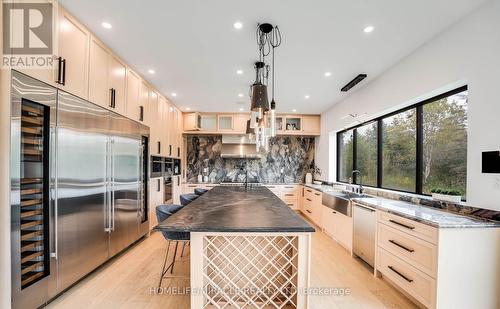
[(195, 51)]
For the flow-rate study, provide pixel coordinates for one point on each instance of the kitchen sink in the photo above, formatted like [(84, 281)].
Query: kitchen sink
[(341, 201)]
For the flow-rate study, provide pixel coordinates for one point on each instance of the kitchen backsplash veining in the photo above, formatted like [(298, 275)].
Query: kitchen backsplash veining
[(287, 161)]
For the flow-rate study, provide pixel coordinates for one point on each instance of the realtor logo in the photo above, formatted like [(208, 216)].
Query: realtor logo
[(27, 34)]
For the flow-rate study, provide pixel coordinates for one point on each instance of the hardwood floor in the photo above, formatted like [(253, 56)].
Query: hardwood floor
[(128, 280)]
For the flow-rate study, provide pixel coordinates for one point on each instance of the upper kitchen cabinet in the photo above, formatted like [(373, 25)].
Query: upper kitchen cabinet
[(163, 126), (155, 145), (225, 123), (73, 55), (99, 92), (213, 123), (144, 102), (134, 107), (240, 123), (192, 122), (107, 78), (117, 82), (311, 124)]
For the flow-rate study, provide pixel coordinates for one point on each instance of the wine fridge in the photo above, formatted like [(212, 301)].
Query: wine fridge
[(79, 176)]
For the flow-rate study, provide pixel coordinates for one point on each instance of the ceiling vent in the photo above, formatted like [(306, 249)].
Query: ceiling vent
[(353, 82)]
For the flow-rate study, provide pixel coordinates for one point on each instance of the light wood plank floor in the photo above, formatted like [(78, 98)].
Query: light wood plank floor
[(127, 281)]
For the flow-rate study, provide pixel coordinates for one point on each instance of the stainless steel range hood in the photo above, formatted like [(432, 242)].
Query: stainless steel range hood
[(238, 146)]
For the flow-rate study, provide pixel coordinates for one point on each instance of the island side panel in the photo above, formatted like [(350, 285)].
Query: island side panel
[(247, 268)]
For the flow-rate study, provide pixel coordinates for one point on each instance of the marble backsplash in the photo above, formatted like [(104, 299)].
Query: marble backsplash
[(287, 161)]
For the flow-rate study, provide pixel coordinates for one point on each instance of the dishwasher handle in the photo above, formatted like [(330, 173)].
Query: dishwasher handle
[(363, 207)]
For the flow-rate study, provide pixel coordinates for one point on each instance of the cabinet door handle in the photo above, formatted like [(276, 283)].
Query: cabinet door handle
[(309, 191), (317, 194), (158, 189), (309, 199), (111, 97), (334, 212), (400, 274), (401, 246), (159, 147), (59, 70), (114, 98), (169, 150), (178, 151), (289, 194), (63, 77), (402, 224), (289, 187), (178, 181), (141, 113), (309, 211)]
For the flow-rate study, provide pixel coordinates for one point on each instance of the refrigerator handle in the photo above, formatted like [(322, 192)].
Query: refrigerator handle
[(112, 185), (140, 200), (107, 217), (55, 195)]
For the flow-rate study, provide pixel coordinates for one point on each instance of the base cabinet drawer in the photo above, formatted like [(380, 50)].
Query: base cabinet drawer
[(422, 231), (419, 253), (416, 283)]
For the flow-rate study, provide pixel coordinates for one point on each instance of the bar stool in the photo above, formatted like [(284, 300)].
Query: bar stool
[(188, 198), (163, 212), (200, 191)]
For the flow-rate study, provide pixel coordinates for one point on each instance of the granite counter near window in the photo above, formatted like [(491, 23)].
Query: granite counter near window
[(286, 161)]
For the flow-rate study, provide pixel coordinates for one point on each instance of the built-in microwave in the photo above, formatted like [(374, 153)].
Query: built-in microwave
[(157, 166)]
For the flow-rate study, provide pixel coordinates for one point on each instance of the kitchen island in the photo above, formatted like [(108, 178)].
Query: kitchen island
[(248, 248)]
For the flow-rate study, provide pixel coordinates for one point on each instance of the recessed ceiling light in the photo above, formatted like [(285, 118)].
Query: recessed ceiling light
[(239, 72), (307, 96), (238, 25), (106, 25), (328, 74), (240, 95), (369, 29), (188, 108), (151, 71), (294, 110), (174, 94)]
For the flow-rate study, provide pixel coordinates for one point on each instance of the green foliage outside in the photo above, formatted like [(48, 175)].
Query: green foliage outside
[(444, 162)]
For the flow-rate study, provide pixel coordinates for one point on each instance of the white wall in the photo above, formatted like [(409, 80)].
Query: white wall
[(466, 53)]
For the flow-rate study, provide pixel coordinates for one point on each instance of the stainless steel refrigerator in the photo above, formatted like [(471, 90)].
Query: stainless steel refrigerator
[(78, 188)]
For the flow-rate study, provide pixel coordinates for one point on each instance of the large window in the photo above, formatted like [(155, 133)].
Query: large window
[(399, 146), (366, 154), (414, 150), (345, 155)]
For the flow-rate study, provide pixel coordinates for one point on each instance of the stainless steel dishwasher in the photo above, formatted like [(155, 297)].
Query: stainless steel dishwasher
[(364, 231)]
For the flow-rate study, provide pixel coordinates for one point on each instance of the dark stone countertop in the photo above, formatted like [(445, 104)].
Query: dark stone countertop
[(234, 209)]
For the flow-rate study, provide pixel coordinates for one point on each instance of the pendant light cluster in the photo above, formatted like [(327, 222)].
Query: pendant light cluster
[(263, 115)]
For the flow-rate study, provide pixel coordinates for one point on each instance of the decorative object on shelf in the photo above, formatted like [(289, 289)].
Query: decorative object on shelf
[(453, 196), (313, 170), (200, 178)]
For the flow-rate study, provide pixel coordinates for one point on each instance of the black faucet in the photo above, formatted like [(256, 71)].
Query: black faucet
[(360, 180)]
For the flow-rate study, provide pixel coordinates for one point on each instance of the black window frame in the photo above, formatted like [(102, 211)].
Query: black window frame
[(418, 107)]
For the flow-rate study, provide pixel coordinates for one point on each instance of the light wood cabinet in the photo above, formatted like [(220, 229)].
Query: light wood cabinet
[(288, 193), (74, 40), (240, 123), (156, 196), (135, 109), (311, 124), (117, 82), (144, 101), (225, 123), (99, 92), (192, 122), (163, 127), (155, 129), (338, 226), (213, 123), (107, 78)]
